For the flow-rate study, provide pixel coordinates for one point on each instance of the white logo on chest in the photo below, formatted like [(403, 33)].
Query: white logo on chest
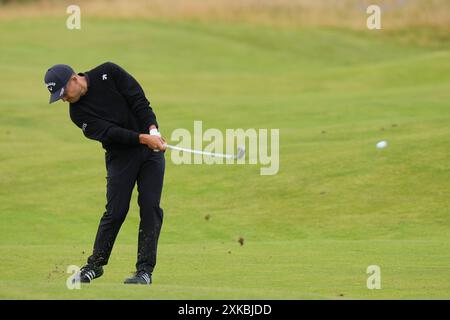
[(104, 76)]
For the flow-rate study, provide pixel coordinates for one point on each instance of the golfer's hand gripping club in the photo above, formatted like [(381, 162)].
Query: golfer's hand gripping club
[(154, 142)]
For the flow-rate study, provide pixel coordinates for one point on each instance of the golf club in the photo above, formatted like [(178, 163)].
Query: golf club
[(238, 155)]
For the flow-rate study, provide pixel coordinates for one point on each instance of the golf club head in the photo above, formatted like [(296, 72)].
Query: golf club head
[(241, 152)]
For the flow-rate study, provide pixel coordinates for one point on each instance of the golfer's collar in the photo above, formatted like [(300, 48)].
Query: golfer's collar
[(84, 74)]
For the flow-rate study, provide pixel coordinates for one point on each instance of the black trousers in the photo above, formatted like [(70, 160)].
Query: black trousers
[(124, 169)]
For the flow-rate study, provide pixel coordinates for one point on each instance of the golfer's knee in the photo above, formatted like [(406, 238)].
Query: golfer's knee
[(149, 201), (152, 210), (114, 216)]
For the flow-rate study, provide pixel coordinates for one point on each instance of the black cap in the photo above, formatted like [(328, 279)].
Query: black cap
[(56, 79)]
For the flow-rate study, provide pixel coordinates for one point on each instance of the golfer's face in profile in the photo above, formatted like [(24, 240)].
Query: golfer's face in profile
[(72, 91)]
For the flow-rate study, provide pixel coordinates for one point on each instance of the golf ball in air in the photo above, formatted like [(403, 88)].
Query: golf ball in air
[(382, 144)]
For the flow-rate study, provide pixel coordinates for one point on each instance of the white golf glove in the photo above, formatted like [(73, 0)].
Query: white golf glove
[(155, 132)]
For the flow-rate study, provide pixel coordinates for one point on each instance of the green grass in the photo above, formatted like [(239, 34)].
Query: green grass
[(336, 206)]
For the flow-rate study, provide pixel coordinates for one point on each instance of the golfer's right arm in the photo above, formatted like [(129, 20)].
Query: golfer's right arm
[(107, 132)]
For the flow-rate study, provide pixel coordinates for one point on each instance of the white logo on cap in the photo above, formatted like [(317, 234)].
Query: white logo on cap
[(50, 85), (105, 77)]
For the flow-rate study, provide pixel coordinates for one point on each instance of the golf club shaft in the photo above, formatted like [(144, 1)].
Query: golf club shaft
[(219, 155)]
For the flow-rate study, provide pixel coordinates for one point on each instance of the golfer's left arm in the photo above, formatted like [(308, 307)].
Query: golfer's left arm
[(135, 97)]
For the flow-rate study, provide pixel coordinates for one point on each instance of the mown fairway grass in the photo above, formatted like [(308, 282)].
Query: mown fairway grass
[(336, 206)]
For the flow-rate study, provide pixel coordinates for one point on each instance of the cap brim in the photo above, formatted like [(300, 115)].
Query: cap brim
[(55, 96)]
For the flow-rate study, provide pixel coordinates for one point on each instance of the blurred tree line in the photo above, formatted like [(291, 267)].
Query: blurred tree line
[(16, 1)]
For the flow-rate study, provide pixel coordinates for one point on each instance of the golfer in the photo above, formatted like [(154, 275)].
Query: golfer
[(109, 106)]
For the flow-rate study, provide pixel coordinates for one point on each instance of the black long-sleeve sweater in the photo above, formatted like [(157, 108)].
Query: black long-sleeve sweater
[(114, 110)]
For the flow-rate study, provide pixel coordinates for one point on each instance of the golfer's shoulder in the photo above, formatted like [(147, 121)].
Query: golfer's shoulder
[(109, 67), (104, 68)]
